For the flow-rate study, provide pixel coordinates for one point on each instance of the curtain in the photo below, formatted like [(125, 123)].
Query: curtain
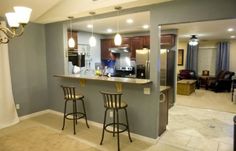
[(8, 114), (222, 56), (192, 58)]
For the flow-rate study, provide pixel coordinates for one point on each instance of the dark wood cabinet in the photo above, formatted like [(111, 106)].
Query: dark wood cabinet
[(105, 53), (74, 35), (146, 42), (163, 111), (135, 43), (167, 40)]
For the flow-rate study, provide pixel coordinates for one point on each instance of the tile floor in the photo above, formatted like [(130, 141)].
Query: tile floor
[(208, 99), (189, 129), (199, 129)]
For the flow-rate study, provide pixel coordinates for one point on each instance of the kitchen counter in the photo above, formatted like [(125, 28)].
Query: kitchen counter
[(104, 78), (163, 88)]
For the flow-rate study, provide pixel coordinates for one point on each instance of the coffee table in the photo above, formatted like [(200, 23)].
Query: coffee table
[(186, 87)]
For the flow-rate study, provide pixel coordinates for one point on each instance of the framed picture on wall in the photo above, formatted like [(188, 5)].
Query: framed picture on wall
[(180, 57)]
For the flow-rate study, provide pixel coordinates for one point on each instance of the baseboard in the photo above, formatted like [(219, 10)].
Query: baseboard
[(99, 125), (34, 114)]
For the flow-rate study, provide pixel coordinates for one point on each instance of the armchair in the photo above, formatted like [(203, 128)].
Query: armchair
[(222, 82)]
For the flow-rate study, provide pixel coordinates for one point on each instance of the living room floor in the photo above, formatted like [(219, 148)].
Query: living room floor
[(207, 99)]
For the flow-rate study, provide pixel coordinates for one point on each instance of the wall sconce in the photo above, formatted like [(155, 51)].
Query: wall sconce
[(17, 21)]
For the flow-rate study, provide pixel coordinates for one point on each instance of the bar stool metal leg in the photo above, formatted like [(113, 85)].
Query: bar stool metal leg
[(118, 137), (114, 121), (64, 115), (104, 124), (127, 121), (85, 115), (74, 114)]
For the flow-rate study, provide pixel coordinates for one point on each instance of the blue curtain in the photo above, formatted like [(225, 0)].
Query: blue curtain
[(192, 58), (222, 56)]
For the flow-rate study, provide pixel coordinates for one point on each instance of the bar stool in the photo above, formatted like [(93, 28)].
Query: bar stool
[(71, 95), (112, 101)]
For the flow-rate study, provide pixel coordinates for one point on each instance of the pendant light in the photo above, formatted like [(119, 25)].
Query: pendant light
[(71, 41), (92, 39), (193, 41), (118, 38)]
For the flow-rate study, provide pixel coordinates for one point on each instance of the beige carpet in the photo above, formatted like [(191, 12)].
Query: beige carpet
[(208, 100), (39, 138)]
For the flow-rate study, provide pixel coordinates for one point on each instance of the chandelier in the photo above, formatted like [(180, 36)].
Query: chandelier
[(17, 21)]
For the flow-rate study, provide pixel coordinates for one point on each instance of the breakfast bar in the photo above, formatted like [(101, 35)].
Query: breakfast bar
[(138, 93)]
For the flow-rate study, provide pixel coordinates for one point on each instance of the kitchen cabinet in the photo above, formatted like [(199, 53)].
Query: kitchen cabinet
[(167, 40), (146, 42), (105, 53), (135, 43), (74, 35), (163, 111)]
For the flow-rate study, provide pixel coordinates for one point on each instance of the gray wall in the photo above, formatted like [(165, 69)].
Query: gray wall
[(27, 55), (143, 109)]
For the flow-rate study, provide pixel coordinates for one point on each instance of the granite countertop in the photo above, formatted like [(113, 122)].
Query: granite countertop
[(163, 88), (105, 78)]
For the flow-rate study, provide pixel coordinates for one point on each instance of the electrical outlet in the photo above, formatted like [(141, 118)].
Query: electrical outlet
[(147, 91), (111, 114), (17, 106)]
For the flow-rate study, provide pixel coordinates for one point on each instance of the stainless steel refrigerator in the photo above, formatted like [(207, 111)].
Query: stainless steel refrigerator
[(167, 73), (142, 63)]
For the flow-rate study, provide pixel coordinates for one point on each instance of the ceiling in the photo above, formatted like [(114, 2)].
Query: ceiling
[(101, 25), (207, 30), (47, 11)]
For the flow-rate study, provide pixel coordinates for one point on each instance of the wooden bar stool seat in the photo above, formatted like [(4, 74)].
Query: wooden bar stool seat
[(112, 101), (71, 95)]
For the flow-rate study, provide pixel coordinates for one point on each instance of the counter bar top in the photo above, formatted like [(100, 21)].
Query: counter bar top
[(104, 78), (163, 88)]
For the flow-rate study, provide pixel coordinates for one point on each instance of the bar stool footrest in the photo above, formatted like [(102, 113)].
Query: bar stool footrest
[(82, 115), (120, 126)]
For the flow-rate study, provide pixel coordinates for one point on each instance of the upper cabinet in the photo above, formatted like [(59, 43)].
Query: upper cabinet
[(167, 40), (74, 34), (105, 53), (135, 43)]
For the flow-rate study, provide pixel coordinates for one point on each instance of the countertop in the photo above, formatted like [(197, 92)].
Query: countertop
[(163, 88), (104, 78)]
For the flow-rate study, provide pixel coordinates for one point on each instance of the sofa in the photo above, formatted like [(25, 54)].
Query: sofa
[(222, 82)]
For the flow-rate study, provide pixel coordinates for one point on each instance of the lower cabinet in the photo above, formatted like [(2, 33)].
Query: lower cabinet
[(163, 111)]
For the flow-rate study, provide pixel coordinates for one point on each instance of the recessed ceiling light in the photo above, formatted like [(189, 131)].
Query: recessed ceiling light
[(232, 36), (145, 26), (230, 29), (129, 21), (109, 30), (89, 26)]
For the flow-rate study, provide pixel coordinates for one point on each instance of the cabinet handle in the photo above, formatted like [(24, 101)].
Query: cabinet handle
[(163, 97)]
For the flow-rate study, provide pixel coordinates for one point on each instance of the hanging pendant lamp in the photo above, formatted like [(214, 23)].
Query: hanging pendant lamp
[(92, 39), (118, 38), (71, 41)]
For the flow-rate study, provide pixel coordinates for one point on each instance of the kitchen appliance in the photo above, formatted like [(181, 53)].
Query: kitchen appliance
[(167, 78), (124, 71), (142, 63), (77, 59)]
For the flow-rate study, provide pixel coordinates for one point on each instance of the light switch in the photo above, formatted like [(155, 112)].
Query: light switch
[(147, 91)]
